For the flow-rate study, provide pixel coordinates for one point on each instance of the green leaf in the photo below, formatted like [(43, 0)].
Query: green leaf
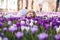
[(10, 35)]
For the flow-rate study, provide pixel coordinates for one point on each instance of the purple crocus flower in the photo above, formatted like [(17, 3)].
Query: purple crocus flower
[(14, 25), (55, 27), (12, 18), (1, 19), (5, 38), (35, 26), (18, 24), (28, 17), (57, 37), (59, 18), (19, 34), (2, 34), (40, 22), (4, 29), (46, 26), (23, 19), (34, 29), (43, 36), (54, 23), (1, 24)]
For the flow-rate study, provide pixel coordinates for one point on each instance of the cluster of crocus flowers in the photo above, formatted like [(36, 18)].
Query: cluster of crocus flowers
[(39, 28)]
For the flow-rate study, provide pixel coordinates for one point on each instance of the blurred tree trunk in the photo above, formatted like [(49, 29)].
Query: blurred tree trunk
[(18, 4), (57, 5)]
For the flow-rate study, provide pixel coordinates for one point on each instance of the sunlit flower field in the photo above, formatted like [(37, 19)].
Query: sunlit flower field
[(28, 28)]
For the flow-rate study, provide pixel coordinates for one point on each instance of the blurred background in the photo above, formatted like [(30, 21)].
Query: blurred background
[(36, 5)]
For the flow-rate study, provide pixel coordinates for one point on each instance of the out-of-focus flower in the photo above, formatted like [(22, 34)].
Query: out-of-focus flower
[(29, 17), (25, 28), (22, 22), (54, 23), (35, 21), (23, 19), (46, 26), (18, 24), (2, 34), (1, 24), (12, 18), (58, 20), (57, 37), (50, 23), (19, 34), (1, 19), (12, 28), (0, 38), (31, 24), (34, 29), (9, 22), (28, 21), (58, 29), (35, 26), (32, 20), (55, 27), (40, 22), (5, 38), (4, 29), (14, 25), (43, 36), (22, 28)]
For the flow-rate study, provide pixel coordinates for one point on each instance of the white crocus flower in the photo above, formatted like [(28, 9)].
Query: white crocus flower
[(35, 26), (25, 28), (58, 29), (9, 22), (0, 38), (22, 28), (50, 23), (14, 25), (31, 24), (12, 28), (22, 22), (32, 20), (35, 21)]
